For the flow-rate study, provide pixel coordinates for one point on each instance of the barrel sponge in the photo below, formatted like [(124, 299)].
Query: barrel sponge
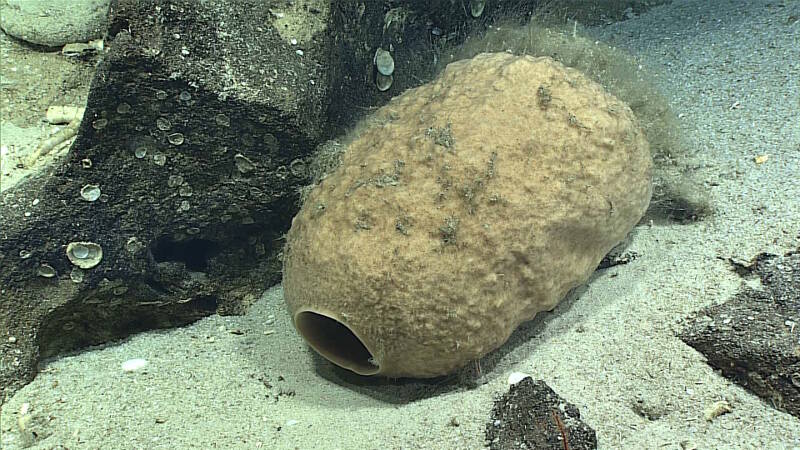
[(461, 209)]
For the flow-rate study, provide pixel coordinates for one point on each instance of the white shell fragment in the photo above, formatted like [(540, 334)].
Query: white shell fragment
[(84, 254), (57, 115), (516, 377), (132, 365), (383, 62)]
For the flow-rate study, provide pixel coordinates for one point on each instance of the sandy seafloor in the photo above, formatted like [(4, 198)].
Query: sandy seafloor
[(732, 72)]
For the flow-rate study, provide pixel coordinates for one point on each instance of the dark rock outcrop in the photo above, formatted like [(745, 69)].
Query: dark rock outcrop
[(197, 133), (753, 339), (531, 415)]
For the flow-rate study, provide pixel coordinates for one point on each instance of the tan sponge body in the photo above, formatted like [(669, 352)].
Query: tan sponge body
[(461, 209)]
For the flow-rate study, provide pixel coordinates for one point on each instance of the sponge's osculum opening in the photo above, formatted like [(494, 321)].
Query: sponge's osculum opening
[(336, 342)]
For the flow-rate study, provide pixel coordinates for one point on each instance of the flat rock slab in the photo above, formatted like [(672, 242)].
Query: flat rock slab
[(532, 416), (754, 338)]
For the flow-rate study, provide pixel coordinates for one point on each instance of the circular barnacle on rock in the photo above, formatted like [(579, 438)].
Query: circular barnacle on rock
[(133, 245), (119, 290), (79, 250), (282, 172), (383, 62), (160, 159), (185, 191), (185, 96), (76, 275), (84, 254), (298, 168), (86, 163), (161, 95), (222, 120), (192, 231), (24, 254), (90, 192), (243, 163), (46, 271), (476, 7), (100, 123), (184, 206), (174, 181), (175, 138), (271, 142), (123, 108), (141, 145), (163, 124), (383, 82), (248, 140)]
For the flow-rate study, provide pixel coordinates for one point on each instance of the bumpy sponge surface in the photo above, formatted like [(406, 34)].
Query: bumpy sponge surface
[(463, 207)]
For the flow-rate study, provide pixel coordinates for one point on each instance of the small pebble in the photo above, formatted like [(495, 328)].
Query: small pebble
[(717, 409)]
